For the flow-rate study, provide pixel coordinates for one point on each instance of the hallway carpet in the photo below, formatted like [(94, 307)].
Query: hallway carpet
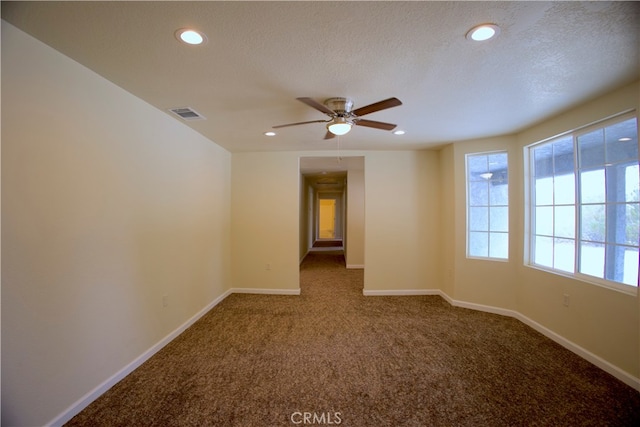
[(334, 357)]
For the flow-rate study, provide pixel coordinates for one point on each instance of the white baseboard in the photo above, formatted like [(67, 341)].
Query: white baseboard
[(265, 291), (608, 367), (485, 308), (400, 292), (85, 400), (594, 359), (355, 266)]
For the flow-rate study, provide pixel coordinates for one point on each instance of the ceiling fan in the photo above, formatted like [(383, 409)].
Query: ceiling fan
[(343, 116)]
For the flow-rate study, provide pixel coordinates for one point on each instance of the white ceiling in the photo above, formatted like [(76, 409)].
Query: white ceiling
[(261, 56)]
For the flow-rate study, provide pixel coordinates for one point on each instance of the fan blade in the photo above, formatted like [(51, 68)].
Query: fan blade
[(315, 104), (329, 135), (374, 124), (381, 105), (300, 123)]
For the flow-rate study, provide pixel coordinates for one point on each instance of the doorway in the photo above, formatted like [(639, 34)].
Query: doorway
[(327, 219), (332, 207)]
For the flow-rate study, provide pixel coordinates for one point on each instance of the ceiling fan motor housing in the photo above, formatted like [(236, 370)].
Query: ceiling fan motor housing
[(342, 106)]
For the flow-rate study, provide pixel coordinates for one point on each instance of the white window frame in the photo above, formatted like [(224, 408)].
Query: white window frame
[(468, 206), (530, 218)]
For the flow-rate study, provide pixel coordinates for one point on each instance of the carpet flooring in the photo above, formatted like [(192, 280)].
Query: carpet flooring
[(334, 357)]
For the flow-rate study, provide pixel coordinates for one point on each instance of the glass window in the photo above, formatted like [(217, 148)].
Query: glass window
[(487, 206), (585, 203)]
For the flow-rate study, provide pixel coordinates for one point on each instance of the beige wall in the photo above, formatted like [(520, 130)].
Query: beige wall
[(265, 212), (402, 221), (305, 208), (107, 205), (401, 242), (480, 281), (447, 203), (354, 255), (604, 322)]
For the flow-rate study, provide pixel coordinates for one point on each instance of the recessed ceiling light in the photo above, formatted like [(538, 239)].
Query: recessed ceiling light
[(483, 32), (189, 36), (398, 132), (270, 133)]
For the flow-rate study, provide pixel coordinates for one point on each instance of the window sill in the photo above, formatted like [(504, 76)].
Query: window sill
[(625, 289), (478, 258)]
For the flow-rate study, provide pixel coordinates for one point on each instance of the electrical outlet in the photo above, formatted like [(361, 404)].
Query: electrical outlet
[(267, 266), (565, 300), (165, 300)]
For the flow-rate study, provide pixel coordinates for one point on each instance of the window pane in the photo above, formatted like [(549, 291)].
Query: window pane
[(498, 168), (499, 245), (632, 230), (499, 219), (544, 220), (487, 203), (592, 223), (600, 195), (479, 219), (498, 194), (622, 224), (564, 254), (632, 184), (478, 193), (592, 186), (592, 259), (476, 166), (543, 251), (498, 163), (591, 146), (616, 181), (622, 141), (619, 264), (544, 191), (630, 266), (543, 161), (621, 151), (563, 156), (564, 189), (565, 221), (478, 244)]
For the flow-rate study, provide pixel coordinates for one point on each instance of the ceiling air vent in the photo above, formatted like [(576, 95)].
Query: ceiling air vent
[(187, 113)]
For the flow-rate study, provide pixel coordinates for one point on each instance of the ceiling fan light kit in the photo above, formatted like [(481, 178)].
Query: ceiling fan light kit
[(339, 126), (342, 116)]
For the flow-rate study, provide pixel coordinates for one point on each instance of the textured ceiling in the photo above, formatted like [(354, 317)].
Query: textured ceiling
[(260, 56)]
